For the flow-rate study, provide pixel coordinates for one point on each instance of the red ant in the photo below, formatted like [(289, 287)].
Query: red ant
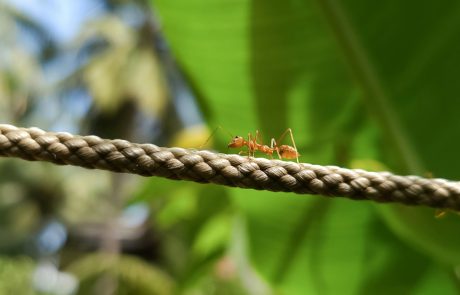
[(283, 151)]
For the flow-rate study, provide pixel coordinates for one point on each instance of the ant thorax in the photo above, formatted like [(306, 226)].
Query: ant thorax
[(265, 149)]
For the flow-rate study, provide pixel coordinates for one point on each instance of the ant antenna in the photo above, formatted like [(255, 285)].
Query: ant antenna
[(213, 133)]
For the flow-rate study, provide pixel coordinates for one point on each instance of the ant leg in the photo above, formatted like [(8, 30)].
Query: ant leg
[(259, 142), (289, 130), (255, 141), (251, 151), (274, 146), (259, 137), (293, 143)]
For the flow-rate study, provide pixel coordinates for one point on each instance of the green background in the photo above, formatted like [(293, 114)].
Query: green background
[(362, 84)]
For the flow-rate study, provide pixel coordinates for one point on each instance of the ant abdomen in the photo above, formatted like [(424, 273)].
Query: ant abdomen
[(288, 152)]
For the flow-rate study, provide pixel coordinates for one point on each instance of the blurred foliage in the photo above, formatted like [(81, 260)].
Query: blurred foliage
[(14, 272), (126, 68), (361, 86), (133, 276), (21, 77), (272, 65)]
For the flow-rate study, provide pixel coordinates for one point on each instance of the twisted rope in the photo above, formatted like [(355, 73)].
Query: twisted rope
[(202, 166)]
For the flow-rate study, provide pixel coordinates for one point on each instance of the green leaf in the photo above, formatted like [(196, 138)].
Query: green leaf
[(14, 272), (415, 79), (271, 65), (213, 236)]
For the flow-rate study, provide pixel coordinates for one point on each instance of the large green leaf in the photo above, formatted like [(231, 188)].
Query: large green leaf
[(353, 83)]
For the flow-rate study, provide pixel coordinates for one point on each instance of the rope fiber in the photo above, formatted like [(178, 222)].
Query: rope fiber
[(203, 166)]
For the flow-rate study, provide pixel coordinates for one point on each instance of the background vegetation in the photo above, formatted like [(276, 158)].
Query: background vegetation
[(363, 85)]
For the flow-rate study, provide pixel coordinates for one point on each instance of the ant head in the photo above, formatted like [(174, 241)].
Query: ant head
[(236, 142)]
